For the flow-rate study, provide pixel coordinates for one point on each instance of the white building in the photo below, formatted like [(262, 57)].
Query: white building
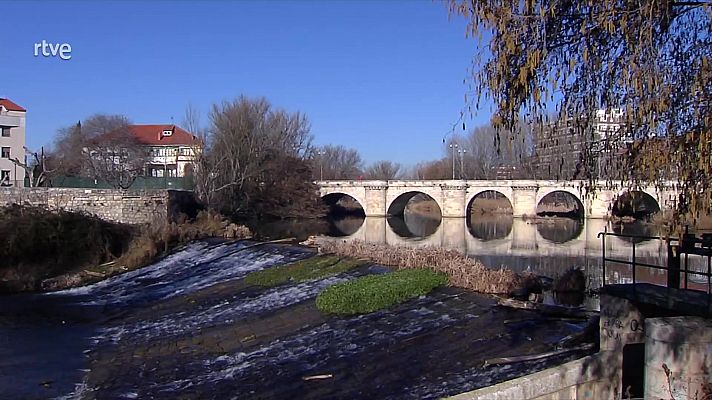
[(12, 143), (172, 150)]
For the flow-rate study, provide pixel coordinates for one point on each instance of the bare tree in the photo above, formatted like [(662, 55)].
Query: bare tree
[(336, 162), (38, 171), (438, 169), (116, 157), (72, 142), (248, 142), (383, 170)]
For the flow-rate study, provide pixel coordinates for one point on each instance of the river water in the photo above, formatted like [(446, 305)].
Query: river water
[(545, 246), (188, 326)]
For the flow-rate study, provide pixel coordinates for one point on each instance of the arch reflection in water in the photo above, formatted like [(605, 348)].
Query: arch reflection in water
[(490, 227), (347, 226), (414, 225), (559, 230), (528, 246), (636, 228)]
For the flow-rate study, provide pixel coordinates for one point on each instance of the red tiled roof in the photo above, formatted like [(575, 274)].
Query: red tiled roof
[(10, 105), (153, 135)]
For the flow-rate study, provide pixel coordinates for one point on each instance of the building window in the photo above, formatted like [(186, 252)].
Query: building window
[(5, 152), (5, 176), (167, 132), (5, 131)]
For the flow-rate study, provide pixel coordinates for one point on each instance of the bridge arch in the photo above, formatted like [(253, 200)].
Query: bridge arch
[(397, 206), (473, 195), (635, 203), (567, 202), (333, 199), (499, 197)]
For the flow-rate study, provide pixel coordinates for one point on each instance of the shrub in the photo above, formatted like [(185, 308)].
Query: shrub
[(37, 243), (374, 292), (303, 270)]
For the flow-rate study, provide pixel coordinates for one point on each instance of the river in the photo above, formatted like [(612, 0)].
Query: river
[(188, 325), (545, 246)]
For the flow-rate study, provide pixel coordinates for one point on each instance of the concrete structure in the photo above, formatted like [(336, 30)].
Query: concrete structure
[(12, 143), (381, 198), (125, 206), (638, 342)]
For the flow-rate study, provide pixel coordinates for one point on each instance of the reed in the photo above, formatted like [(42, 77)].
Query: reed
[(462, 271)]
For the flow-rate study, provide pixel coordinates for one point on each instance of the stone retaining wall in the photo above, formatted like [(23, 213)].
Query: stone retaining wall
[(125, 206)]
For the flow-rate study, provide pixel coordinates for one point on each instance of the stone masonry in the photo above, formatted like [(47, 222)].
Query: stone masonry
[(124, 206), (382, 198)]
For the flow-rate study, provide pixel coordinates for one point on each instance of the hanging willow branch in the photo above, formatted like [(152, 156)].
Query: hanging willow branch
[(650, 58)]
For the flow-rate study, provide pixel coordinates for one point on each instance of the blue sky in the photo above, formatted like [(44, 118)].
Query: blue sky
[(384, 77)]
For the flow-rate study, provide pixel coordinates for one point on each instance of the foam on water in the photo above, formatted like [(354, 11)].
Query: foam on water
[(194, 267), (337, 338), (223, 312)]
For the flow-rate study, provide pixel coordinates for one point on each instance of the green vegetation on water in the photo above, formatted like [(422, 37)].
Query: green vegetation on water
[(374, 292), (303, 270)]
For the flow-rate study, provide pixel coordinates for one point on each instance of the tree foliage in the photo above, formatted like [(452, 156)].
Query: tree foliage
[(650, 58)]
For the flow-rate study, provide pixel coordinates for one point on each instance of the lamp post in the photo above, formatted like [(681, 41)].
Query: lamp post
[(321, 164), (453, 147), (462, 153)]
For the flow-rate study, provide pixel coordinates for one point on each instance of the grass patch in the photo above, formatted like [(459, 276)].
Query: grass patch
[(300, 271), (462, 271), (375, 292)]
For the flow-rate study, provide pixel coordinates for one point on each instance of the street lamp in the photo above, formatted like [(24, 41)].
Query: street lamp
[(321, 164), (462, 153), (453, 147)]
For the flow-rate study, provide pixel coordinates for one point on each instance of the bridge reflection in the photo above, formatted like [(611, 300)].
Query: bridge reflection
[(501, 235), (548, 246)]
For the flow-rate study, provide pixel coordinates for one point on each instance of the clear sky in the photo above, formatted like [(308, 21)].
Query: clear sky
[(384, 77)]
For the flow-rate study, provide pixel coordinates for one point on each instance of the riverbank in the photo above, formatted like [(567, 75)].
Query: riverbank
[(52, 250), (191, 326)]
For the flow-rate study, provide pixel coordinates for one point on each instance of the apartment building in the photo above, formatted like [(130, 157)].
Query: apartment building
[(12, 142), (559, 148)]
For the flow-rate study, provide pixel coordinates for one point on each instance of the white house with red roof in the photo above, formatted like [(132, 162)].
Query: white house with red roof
[(12, 142), (172, 150)]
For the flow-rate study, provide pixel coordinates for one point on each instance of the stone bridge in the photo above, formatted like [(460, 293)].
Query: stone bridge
[(454, 197)]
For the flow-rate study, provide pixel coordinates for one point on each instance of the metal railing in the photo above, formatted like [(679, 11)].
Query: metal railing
[(678, 250)]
